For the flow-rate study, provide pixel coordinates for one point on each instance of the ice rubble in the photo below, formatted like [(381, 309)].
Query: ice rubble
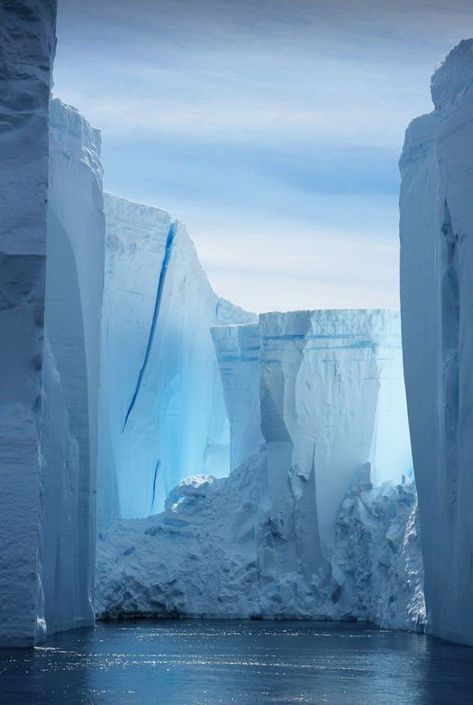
[(163, 412), (436, 298), (277, 537), (27, 42)]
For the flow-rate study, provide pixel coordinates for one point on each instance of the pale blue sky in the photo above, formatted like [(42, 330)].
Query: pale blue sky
[(271, 128)]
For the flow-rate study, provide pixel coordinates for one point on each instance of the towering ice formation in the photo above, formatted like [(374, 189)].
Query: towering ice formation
[(51, 286), (163, 414), (71, 382), (27, 43), (436, 300), (324, 393), (326, 389)]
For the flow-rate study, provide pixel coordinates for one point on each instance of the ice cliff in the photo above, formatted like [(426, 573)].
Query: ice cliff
[(318, 420), (71, 383), (163, 413), (436, 299), (51, 286), (27, 44)]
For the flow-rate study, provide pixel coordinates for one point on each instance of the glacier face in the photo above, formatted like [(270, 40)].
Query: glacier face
[(163, 415), (436, 223), (332, 405), (71, 382), (325, 392), (27, 45)]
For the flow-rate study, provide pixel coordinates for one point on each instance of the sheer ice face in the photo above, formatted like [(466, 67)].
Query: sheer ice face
[(51, 285), (27, 42), (163, 414), (71, 381), (436, 298), (324, 390)]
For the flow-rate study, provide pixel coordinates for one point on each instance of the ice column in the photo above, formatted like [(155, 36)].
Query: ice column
[(27, 44), (71, 384), (436, 298)]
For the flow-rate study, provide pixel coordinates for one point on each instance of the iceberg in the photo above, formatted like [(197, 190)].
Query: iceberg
[(327, 459), (51, 287), (27, 42), (435, 230), (163, 414), (71, 383), (332, 406)]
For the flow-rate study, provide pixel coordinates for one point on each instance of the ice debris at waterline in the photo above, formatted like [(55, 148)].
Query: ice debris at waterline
[(437, 298), (209, 554), (320, 520)]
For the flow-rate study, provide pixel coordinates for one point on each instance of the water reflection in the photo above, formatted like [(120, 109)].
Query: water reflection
[(242, 663)]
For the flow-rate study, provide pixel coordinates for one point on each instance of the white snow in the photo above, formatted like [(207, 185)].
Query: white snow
[(27, 42), (436, 297), (163, 414)]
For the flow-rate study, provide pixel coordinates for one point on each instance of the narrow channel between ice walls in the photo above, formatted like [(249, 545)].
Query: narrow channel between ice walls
[(234, 465)]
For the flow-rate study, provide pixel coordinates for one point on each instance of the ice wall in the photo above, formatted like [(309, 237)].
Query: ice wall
[(318, 520), (332, 406), (163, 414), (436, 298), (71, 383), (324, 390), (27, 44)]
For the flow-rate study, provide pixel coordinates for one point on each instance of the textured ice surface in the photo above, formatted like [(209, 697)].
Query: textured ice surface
[(332, 405), (204, 556), (27, 42), (74, 290), (163, 414), (276, 537), (324, 390), (436, 297)]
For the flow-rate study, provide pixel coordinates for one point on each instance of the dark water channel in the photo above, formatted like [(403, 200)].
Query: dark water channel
[(247, 663)]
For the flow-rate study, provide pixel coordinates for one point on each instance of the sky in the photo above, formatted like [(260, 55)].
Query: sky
[(271, 128)]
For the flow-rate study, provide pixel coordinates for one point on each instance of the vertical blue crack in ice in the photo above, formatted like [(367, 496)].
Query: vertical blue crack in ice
[(154, 320), (156, 470)]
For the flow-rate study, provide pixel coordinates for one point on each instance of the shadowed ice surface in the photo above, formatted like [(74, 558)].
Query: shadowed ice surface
[(250, 663)]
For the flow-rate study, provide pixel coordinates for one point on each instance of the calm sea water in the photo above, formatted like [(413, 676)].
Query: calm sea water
[(246, 663)]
